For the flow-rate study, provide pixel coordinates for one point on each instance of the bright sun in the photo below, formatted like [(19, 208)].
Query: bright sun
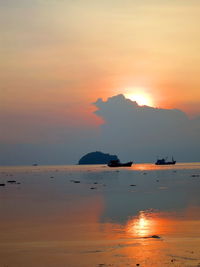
[(140, 96)]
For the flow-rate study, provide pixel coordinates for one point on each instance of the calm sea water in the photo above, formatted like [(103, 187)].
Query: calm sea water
[(95, 215)]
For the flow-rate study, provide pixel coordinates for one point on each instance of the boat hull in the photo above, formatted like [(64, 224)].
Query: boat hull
[(166, 163), (128, 164)]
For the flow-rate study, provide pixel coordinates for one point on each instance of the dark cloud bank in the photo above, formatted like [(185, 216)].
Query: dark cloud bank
[(130, 131), (143, 133)]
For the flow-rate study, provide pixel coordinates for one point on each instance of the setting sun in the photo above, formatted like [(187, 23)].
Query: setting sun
[(140, 96)]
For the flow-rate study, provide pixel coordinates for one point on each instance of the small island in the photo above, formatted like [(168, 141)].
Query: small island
[(97, 158)]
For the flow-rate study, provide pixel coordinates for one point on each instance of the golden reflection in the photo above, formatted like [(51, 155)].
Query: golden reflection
[(149, 223), (151, 166), (142, 226), (179, 231)]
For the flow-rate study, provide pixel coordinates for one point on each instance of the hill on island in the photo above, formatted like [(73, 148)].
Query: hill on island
[(97, 158)]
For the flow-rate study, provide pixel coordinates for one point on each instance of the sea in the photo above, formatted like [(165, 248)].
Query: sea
[(93, 215)]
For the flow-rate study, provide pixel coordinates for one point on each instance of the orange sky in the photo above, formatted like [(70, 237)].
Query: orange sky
[(57, 57)]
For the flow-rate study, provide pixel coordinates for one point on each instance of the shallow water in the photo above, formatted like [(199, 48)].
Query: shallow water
[(100, 216)]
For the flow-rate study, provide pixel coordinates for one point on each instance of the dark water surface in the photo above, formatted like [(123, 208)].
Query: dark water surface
[(100, 216)]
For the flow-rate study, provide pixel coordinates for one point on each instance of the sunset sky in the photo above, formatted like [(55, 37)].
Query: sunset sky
[(59, 56)]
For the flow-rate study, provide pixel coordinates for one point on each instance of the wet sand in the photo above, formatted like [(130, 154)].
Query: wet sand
[(100, 216)]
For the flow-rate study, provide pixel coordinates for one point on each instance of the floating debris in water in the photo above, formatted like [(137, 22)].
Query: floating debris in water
[(153, 236), (75, 181), (132, 185), (2, 184), (104, 265), (11, 181)]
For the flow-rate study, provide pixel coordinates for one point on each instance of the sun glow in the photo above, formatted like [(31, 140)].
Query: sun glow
[(140, 96)]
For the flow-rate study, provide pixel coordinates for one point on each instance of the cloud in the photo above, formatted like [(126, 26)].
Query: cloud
[(132, 132), (143, 133)]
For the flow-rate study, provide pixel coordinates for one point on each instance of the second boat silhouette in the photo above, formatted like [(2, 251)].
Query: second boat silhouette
[(165, 162)]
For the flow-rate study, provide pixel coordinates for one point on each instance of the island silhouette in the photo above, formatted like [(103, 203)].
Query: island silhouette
[(97, 158)]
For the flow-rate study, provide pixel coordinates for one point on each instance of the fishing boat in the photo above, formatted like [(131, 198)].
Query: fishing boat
[(165, 162), (117, 163)]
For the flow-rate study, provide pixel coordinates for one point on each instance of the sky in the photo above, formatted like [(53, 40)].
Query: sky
[(59, 57)]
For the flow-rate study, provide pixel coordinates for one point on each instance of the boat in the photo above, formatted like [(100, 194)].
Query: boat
[(117, 163), (165, 162)]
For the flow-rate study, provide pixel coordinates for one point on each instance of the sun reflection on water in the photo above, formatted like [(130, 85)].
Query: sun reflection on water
[(143, 225)]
